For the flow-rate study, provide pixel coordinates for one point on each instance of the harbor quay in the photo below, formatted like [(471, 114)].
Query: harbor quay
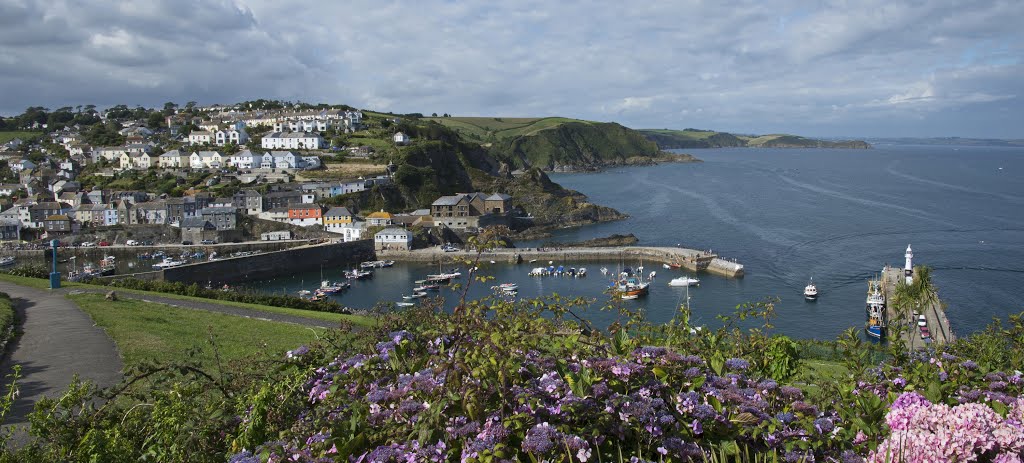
[(689, 259), (935, 316)]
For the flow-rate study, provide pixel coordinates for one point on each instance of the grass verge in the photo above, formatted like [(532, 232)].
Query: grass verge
[(358, 320), (146, 331), (6, 318)]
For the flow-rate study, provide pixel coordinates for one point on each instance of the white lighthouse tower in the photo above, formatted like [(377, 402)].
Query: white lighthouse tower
[(908, 270)]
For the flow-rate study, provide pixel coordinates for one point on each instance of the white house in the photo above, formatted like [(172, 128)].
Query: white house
[(205, 159), (237, 136), (393, 238), (294, 140), (200, 137), (21, 165), (173, 159), (279, 160), (8, 189), (401, 138), (243, 160)]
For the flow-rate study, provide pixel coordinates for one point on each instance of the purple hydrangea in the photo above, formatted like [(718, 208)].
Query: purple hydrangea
[(824, 425), (737, 364), (244, 456), (969, 365), (540, 439)]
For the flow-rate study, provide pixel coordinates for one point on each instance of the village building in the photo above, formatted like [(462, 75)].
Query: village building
[(392, 239)]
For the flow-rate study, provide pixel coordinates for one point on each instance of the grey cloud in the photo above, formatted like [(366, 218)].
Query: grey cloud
[(871, 68)]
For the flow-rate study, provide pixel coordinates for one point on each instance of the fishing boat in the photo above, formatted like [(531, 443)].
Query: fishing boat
[(108, 266), (7, 260), (684, 281), (383, 263), (368, 264), (168, 262), (304, 292), (632, 287), (582, 272), (405, 304), (331, 288), (810, 291), (876, 313), (426, 287), (415, 295)]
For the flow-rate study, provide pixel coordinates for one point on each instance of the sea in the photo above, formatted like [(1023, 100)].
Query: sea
[(788, 215)]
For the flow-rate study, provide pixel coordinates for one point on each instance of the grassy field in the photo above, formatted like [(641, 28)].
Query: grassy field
[(348, 169), (691, 134), (6, 136), (146, 331), (326, 316), (497, 128)]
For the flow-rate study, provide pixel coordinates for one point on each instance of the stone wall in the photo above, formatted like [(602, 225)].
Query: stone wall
[(271, 264)]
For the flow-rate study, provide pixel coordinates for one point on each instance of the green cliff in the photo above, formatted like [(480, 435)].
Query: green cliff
[(559, 144)]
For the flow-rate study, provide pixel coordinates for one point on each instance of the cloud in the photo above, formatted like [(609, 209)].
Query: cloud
[(871, 68)]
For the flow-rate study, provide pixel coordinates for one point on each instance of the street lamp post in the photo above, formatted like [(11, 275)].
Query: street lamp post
[(54, 275)]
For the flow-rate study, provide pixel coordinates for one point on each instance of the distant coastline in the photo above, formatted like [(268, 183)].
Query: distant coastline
[(696, 138)]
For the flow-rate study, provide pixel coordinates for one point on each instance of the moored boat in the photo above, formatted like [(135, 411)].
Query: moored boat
[(684, 281), (7, 260), (876, 312)]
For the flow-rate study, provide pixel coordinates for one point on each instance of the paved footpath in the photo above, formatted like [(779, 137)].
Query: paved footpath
[(58, 340)]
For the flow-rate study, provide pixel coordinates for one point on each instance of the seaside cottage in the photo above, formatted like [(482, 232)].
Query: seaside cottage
[(393, 238)]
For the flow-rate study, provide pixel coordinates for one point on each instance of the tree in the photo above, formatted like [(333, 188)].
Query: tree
[(155, 120)]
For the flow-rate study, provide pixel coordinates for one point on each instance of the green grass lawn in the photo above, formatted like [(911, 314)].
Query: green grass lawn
[(145, 331), (481, 128), (6, 136), (327, 316)]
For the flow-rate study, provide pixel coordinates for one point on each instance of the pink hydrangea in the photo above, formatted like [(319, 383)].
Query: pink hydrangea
[(926, 432)]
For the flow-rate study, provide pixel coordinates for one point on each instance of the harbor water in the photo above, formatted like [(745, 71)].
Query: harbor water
[(789, 215)]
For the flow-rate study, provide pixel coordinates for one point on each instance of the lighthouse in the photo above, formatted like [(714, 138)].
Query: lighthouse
[(908, 270)]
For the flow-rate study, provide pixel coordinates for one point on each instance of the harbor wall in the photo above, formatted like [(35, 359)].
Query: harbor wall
[(688, 258), (271, 264)]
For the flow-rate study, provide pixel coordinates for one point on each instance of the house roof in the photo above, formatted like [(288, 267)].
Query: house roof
[(171, 154), (498, 197), (379, 215), (338, 212), (394, 231), (448, 200), (217, 210)]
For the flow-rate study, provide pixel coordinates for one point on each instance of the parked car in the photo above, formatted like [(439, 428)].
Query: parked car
[(921, 321), (449, 248), (147, 243), (132, 243), (104, 243), (186, 243), (925, 333), (208, 242), (88, 244)]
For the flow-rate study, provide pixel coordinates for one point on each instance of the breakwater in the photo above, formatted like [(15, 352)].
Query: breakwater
[(690, 259), (270, 264), (935, 316)]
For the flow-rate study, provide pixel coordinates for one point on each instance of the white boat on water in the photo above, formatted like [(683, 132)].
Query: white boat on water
[(506, 287), (684, 281), (415, 296), (168, 262), (810, 291), (405, 304)]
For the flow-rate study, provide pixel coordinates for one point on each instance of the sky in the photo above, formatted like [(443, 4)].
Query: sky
[(818, 68)]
